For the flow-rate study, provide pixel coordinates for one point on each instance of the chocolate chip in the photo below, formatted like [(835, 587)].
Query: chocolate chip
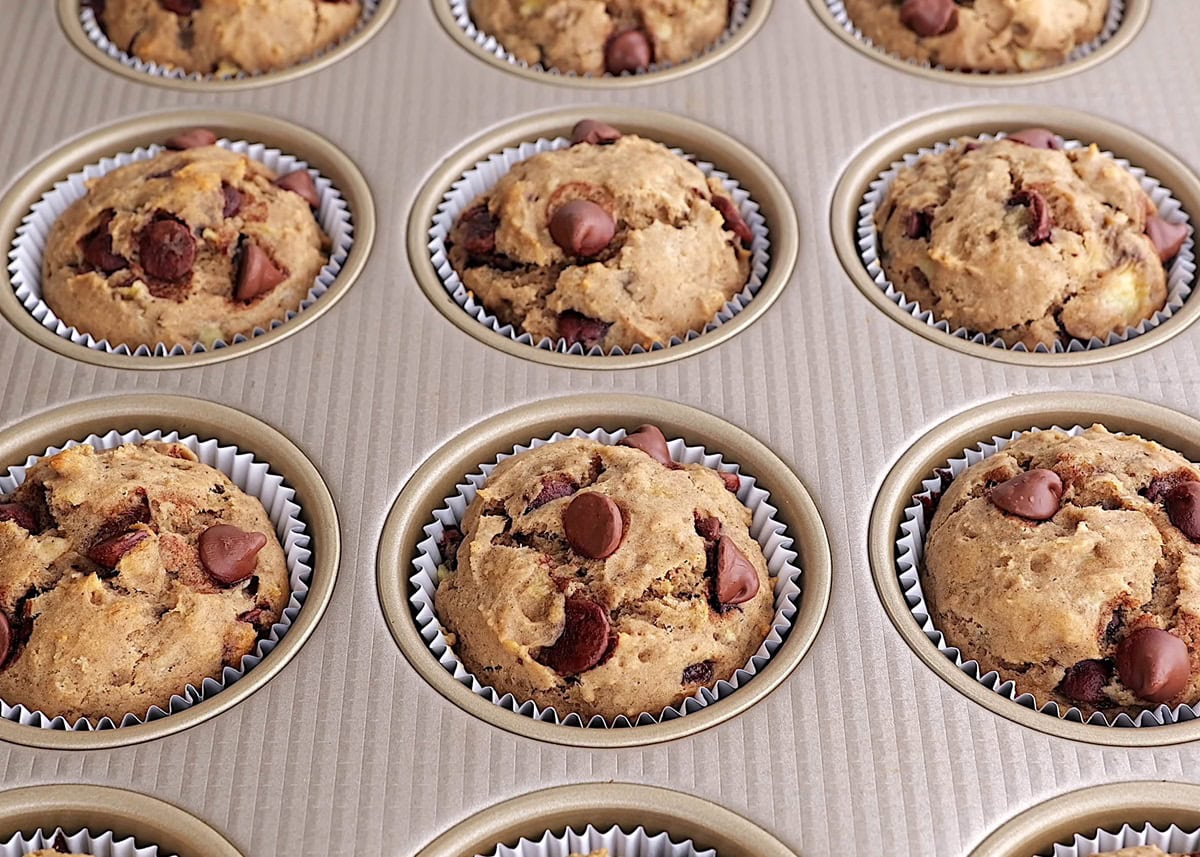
[(1183, 508), (1034, 494), (5, 639), (301, 182), (1085, 681), (627, 51), (737, 578), (582, 228), (167, 249), (19, 514), (1039, 212), (230, 554), (918, 224), (650, 440), (576, 327), (733, 219), (478, 231), (97, 247), (592, 524), (554, 487), (1153, 664), (1163, 484), (701, 673), (1114, 626), (707, 528), (452, 538), (929, 17), (193, 138), (180, 7), (257, 274), (1168, 238), (733, 483), (593, 132), (1037, 138), (108, 553), (233, 200), (584, 640), (251, 617)]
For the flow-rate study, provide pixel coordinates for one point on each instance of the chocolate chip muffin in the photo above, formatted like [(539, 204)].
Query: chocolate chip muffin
[(594, 37), (1071, 566), (191, 246), (1023, 240), (614, 242), (981, 35), (1141, 851), (49, 852), (126, 575), (225, 37), (604, 580)]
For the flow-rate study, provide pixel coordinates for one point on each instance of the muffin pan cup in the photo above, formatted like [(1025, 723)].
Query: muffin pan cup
[(347, 212), (409, 533), (311, 546)]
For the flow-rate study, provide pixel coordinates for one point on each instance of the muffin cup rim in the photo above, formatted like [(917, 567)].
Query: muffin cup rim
[(637, 838), (126, 844)]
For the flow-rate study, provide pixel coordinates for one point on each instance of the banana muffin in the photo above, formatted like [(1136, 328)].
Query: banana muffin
[(1071, 566), (225, 37), (615, 241), (981, 35), (1023, 240), (194, 245), (127, 575), (594, 37), (50, 852), (604, 579), (1141, 851)]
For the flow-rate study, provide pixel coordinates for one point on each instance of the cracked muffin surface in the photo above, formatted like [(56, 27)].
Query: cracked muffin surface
[(1032, 245), (1070, 565), (679, 597), (128, 574), (614, 244), (187, 247), (982, 35), (224, 37)]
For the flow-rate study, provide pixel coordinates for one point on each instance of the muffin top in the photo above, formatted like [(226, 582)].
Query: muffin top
[(1026, 241), (189, 246), (604, 580), (983, 35), (601, 852), (50, 852), (1140, 851), (1070, 565), (225, 37), (615, 241), (126, 575), (594, 37)]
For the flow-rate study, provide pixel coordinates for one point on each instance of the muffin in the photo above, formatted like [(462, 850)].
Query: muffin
[(983, 35), (604, 580), (191, 246), (1141, 851), (1025, 241), (1071, 566), (225, 37), (602, 852), (613, 242), (49, 852), (127, 575), (594, 37)]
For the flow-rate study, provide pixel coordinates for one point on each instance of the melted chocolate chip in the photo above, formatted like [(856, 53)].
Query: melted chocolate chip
[(584, 640), (1037, 138), (5, 640), (1039, 210), (452, 538), (230, 554), (737, 578), (929, 17), (650, 440), (582, 228), (257, 274), (553, 487), (1034, 495), (733, 482), (19, 514), (594, 133), (108, 553), (1085, 681), (575, 327), (707, 528), (628, 51), (232, 200), (167, 249), (733, 219), (193, 138), (593, 525), (97, 247), (301, 182), (478, 228), (918, 224), (701, 673), (1183, 508), (1154, 664), (1168, 238)]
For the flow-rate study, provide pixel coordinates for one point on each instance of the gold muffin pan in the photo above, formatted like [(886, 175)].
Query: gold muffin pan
[(603, 805), (946, 125), (129, 134), (1132, 20), (72, 27), (1109, 807), (1019, 413), (695, 138), (98, 808), (442, 471), (206, 420)]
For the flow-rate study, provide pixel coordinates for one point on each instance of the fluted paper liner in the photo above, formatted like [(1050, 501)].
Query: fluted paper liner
[(95, 33), (1180, 274), (910, 549), (256, 479), (638, 843), (25, 256), (764, 527), (101, 844), (1112, 23), (1172, 840), (483, 177)]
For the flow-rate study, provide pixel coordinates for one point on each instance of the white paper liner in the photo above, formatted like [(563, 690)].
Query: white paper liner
[(1112, 23), (87, 19), (638, 843), (739, 10), (1180, 274), (764, 527), (102, 844), (256, 479), (25, 256), (910, 549), (483, 177), (1171, 840)]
